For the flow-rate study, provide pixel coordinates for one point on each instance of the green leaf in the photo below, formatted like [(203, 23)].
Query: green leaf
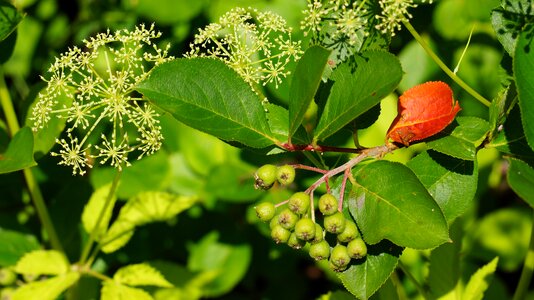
[(94, 208), (510, 138), (145, 208), (523, 73), (365, 276), (115, 291), (304, 84), (354, 92), (521, 179), (19, 153), (479, 282), (140, 274), (389, 202), (232, 182), (48, 289), (228, 262), (169, 12), (9, 19), (509, 19), (14, 245), (500, 108), (209, 96), (43, 262), (451, 182), (461, 138), (278, 119)]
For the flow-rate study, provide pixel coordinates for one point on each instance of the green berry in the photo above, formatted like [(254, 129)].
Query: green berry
[(320, 250), (7, 293), (299, 203), (265, 211), (7, 276), (349, 233), (294, 242), (335, 223), (272, 223), (318, 234), (327, 204), (265, 177), (280, 234), (357, 248), (287, 219), (285, 174), (335, 268), (305, 229), (340, 256)]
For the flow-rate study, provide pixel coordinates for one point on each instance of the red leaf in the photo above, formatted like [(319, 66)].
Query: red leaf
[(424, 110)]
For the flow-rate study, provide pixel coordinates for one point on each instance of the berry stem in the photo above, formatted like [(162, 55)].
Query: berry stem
[(281, 203), (318, 148), (305, 167), (342, 193), (444, 67)]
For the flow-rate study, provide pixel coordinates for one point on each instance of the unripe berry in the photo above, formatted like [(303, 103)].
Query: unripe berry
[(7, 293), (285, 174), (327, 204), (336, 268), (357, 248), (265, 211), (294, 242), (265, 177), (335, 223), (349, 233), (305, 229), (287, 219), (318, 234), (320, 250), (340, 256), (280, 234), (7, 276), (272, 223), (299, 202)]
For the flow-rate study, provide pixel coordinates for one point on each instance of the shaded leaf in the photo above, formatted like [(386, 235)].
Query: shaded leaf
[(523, 73), (9, 19), (14, 245), (479, 282), (232, 182), (19, 153), (304, 84), (510, 137), (94, 208), (365, 276), (48, 289), (43, 262), (278, 119), (521, 179), (115, 291), (209, 96), (356, 91), (509, 19), (140, 274), (389, 202), (451, 182)]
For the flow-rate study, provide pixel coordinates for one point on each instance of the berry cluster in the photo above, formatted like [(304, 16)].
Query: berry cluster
[(294, 226)]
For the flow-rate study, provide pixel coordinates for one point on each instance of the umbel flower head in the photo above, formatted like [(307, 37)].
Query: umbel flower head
[(257, 45), (93, 90)]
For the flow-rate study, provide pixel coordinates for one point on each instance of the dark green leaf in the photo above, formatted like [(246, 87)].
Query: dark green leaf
[(7, 46), (304, 84), (14, 245), (451, 182), (9, 19), (500, 108), (365, 276), (509, 19), (461, 138), (389, 202), (521, 179), (209, 96), (355, 91), (19, 153), (524, 72), (510, 137)]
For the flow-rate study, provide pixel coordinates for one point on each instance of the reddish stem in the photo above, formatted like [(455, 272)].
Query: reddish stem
[(305, 167), (318, 148)]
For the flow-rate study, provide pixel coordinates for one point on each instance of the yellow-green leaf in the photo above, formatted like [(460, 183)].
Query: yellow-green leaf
[(479, 282), (94, 208), (48, 289), (43, 262), (140, 274), (112, 290)]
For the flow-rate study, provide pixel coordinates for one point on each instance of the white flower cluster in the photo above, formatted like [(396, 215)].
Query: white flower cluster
[(89, 97)]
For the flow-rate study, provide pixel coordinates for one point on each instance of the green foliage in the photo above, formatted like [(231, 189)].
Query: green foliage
[(19, 153), (520, 178), (14, 246), (97, 213), (140, 274), (48, 289), (524, 70), (9, 19), (116, 291), (479, 282), (43, 262)]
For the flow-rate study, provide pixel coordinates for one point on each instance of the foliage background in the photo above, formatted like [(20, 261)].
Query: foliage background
[(217, 248)]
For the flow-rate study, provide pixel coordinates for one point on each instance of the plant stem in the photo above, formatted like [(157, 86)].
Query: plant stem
[(528, 269), (418, 286), (33, 187), (444, 67), (92, 235)]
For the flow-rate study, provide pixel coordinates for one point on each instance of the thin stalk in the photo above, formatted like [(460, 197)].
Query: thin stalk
[(31, 182), (444, 67), (528, 268), (409, 275), (92, 235)]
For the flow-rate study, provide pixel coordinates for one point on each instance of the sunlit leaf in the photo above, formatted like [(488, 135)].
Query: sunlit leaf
[(140, 274), (479, 282), (94, 211), (43, 262), (115, 291), (48, 289)]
